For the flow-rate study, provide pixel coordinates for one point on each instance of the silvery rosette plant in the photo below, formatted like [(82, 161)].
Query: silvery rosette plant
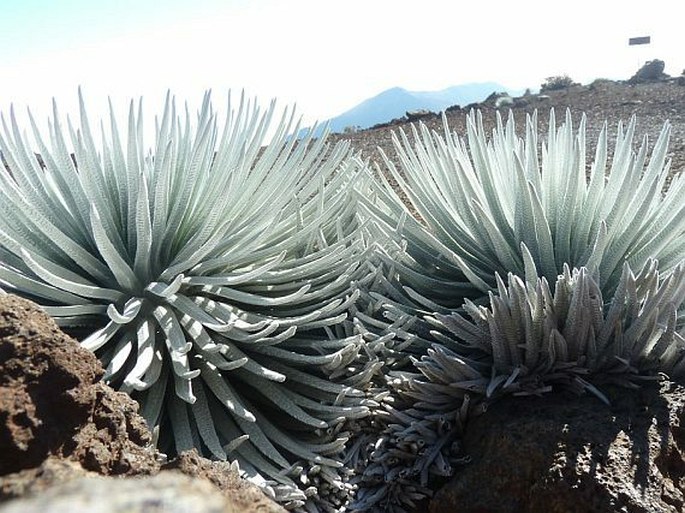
[(208, 275), (476, 201), (463, 214)]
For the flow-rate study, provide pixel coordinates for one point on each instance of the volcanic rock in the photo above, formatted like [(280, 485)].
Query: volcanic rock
[(649, 72), (168, 492), (557, 454), (62, 429), (52, 402)]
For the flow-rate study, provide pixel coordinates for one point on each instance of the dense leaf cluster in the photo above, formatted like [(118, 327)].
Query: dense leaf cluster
[(285, 307)]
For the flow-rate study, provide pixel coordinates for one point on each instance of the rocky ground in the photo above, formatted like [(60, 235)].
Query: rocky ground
[(653, 103)]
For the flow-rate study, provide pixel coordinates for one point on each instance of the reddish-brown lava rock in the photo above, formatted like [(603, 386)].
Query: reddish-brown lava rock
[(52, 402), (59, 423)]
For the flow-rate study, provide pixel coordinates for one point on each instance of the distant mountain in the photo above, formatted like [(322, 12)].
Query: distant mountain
[(394, 103)]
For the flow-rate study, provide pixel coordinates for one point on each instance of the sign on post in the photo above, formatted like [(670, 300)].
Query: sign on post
[(644, 40)]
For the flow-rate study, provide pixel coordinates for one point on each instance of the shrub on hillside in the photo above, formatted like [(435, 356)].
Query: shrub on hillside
[(556, 83)]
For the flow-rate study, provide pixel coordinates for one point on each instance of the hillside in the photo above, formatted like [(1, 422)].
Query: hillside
[(393, 103), (653, 104)]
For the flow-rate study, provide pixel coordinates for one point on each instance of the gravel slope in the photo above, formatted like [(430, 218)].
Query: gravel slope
[(653, 103)]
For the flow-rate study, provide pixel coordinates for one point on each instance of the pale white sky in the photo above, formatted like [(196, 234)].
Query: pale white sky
[(325, 56)]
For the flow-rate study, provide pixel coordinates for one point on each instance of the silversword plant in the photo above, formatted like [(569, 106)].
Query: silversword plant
[(565, 233), (206, 274), (475, 201)]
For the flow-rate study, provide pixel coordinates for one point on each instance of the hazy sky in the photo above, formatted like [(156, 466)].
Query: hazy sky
[(325, 56)]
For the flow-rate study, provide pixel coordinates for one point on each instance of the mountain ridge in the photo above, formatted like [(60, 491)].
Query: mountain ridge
[(395, 102)]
